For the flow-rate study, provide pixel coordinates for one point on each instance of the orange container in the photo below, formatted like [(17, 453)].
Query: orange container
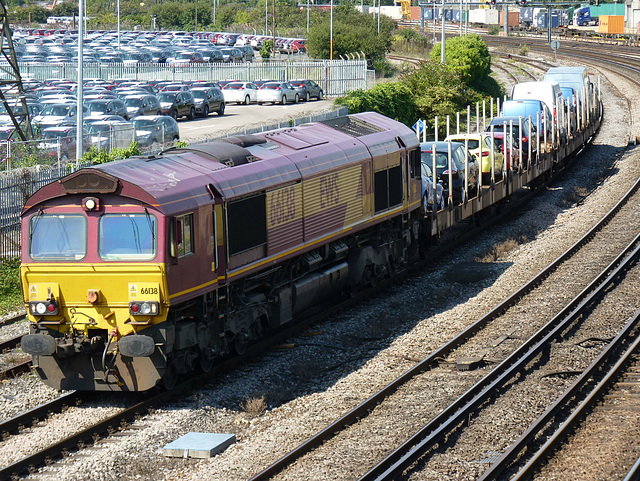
[(611, 24), (514, 19)]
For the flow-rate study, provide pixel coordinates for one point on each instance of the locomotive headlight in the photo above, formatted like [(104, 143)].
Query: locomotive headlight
[(144, 308)]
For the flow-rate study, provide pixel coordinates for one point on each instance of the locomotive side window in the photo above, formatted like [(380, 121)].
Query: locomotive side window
[(127, 237), (184, 230), (57, 237), (414, 159), (388, 188), (247, 222)]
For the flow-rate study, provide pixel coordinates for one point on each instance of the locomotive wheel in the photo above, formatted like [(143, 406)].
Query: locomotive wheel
[(205, 362), (240, 345), (170, 377)]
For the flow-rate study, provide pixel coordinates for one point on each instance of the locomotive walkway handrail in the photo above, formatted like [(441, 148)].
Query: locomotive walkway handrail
[(440, 353)]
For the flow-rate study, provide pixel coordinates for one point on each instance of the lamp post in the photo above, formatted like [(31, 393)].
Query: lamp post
[(79, 116), (118, 7), (196, 20), (307, 16), (331, 34)]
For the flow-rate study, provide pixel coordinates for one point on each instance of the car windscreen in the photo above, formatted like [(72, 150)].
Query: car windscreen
[(58, 110), (133, 102), (442, 160), (166, 97)]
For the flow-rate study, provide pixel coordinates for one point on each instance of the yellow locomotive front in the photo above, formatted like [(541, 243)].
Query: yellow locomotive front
[(94, 283)]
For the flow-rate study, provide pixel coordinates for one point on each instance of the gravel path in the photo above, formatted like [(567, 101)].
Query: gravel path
[(348, 358)]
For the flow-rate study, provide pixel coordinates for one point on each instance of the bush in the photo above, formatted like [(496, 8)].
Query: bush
[(10, 292), (97, 156), (393, 99)]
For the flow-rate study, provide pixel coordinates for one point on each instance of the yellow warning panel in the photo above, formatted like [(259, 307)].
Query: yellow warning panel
[(42, 291)]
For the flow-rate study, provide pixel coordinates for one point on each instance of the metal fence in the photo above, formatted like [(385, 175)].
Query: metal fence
[(17, 185), (336, 77)]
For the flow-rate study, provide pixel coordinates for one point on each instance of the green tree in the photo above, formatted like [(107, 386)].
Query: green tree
[(467, 55), (353, 32)]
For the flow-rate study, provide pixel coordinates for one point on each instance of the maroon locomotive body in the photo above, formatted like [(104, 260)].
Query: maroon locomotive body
[(139, 270)]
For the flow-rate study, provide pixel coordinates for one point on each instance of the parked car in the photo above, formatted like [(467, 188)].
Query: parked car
[(432, 197), (308, 89), (458, 171), (53, 114), (142, 105), (277, 92), (65, 137), (240, 92), (208, 99), (247, 52), (107, 135), (548, 92), (232, 55), (108, 107), (511, 152), (177, 104), (480, 146), (155, 129), (536, 109), (571, 98), (529, 133)]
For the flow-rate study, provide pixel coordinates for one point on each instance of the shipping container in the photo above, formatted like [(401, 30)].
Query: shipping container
[(526, 16), (483, 16), (514, 19), (611, 24)]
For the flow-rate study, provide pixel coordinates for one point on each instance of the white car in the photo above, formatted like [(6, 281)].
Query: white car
[(277, 92), (240, 92)]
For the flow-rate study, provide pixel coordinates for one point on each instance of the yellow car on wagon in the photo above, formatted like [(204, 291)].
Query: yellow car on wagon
[(480, 146)]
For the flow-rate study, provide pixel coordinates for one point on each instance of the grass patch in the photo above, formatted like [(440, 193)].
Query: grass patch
[(10, 292), (254, 406), (499, 250)]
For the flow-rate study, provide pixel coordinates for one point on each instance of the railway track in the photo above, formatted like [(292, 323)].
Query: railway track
[(473, 395)]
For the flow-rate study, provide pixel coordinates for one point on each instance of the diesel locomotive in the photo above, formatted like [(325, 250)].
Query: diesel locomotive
[(137, 271)]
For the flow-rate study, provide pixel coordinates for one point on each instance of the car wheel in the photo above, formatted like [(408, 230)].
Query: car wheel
[(221, 109), (205, 111), (307, 97), (297, 99), (284, 100), (192, 113), (174, 114), (158, 113), (320, 95), (247, 100)]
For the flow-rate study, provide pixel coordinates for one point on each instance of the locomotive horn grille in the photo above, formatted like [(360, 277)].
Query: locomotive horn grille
[(89, 182)]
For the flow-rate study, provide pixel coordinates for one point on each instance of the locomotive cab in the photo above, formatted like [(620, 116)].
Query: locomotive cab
[(93, 277)]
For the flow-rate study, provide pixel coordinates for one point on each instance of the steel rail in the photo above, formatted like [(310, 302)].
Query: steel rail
[(453, 416), (16, 369), (624, 337), (367, 405)]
